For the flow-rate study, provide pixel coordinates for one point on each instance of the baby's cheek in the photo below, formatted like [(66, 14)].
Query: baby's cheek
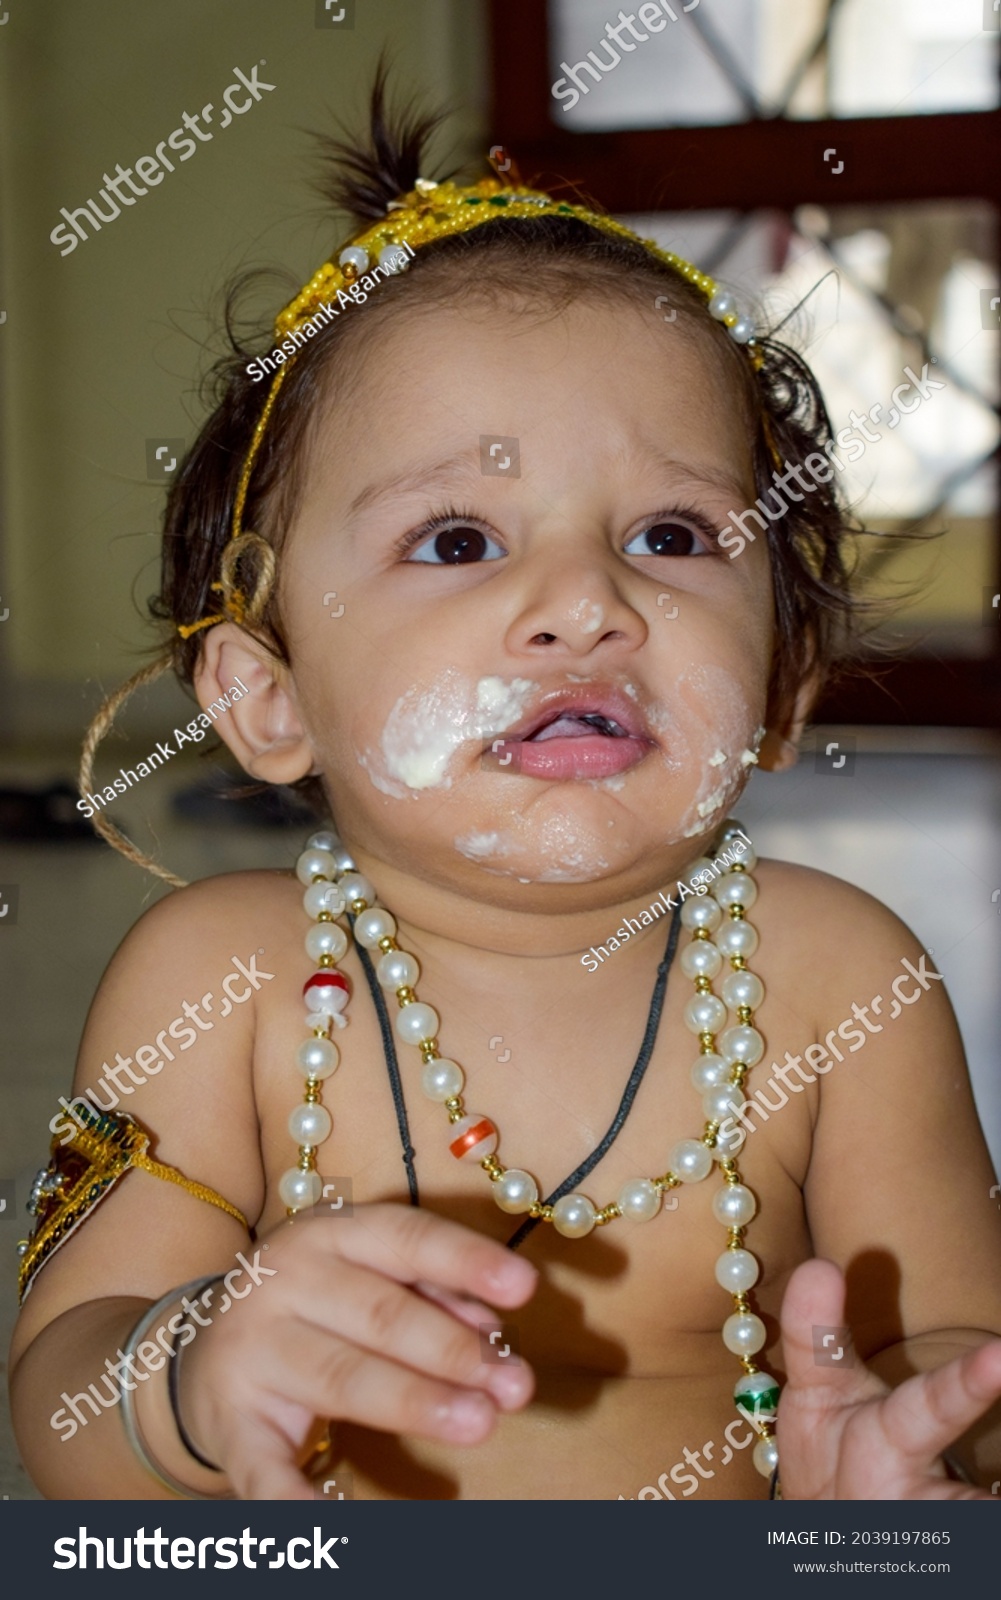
[(723, 732)]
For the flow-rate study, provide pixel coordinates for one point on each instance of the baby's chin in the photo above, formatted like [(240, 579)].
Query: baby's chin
[(591, 839)]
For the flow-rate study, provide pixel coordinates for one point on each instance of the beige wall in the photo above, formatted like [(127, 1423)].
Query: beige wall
[(103, 348)]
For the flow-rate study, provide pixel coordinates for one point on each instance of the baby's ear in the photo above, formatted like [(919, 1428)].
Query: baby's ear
[(262, 727), (780, 746)]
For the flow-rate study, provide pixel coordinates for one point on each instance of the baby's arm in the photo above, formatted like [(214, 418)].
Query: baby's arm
[(369, 1347), (146, 1235), (897, 1196)]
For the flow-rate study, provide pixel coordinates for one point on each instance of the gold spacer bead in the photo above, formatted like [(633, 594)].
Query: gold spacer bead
[(606, 1214), (307, 1158), (703, 986), (405, 995), (312, 1094), (357, 906), (325, 916), (454, 1104), (738, 963), (744, 1013), (546, 1213), (736, 913), (387, 943), (738, 866), (748, 1365), (326, 961), (491, 1165), (702, 933), (428, 1049), (707, 1043)]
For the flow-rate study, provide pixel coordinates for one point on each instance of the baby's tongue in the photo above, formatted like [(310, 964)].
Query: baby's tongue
[(568, 727)]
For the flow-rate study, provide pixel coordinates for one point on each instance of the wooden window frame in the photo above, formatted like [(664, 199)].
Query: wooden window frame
[(774, 163)]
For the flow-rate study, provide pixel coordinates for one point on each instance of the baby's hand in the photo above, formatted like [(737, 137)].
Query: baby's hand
[(366, 1319), (844, 1435)]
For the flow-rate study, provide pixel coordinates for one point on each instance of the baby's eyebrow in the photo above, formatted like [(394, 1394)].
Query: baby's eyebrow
[(713, 478), (416, 478), (700, 475), (466, 464)]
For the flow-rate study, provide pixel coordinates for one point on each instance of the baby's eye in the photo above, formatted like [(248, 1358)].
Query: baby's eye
[(455, 547), (669, 538)]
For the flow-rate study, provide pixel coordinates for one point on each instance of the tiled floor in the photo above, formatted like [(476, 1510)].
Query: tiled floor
[(920, 832)]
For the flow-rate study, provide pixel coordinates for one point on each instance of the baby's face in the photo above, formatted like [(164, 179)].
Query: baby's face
[(545, 671)]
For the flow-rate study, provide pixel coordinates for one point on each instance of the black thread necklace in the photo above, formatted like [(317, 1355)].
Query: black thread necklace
[(636, 1076)]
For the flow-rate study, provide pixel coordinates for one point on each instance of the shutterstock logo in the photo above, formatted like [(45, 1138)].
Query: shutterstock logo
[(179, 1553), (122, 189)]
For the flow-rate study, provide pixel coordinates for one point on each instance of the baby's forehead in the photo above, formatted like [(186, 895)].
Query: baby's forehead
[(599, 369)]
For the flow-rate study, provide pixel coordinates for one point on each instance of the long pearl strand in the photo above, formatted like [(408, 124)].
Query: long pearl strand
[(720, 933)]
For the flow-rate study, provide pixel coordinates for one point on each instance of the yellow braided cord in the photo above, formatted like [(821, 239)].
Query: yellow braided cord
[(201, 1191), (255, 445)]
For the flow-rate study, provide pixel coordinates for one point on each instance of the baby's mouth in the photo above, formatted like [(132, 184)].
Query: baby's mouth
[(573, 736), (577, 725)]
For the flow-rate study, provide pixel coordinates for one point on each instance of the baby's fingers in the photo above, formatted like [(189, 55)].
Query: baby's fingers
[(375, 1313), (816, 1343), (408, 1244), (263, 1463), (333, 1378), (925, 1415)]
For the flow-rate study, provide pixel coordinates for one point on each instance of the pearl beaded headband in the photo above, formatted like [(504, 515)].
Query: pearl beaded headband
[(431, 211)]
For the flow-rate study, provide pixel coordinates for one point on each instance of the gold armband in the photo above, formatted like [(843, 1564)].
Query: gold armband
[(105, 1145)]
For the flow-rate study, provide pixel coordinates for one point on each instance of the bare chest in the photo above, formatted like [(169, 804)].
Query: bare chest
[(629, 1299)]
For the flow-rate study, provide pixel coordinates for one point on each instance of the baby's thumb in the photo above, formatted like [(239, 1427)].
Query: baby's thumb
[(816, 1341)]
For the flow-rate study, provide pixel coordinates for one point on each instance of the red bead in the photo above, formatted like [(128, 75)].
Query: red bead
[(473, 1138), (325, 979)]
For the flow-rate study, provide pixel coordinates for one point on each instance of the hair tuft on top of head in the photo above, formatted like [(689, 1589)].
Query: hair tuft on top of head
[(362, 180)]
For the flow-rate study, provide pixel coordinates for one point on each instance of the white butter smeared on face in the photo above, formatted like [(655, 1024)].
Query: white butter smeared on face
[(500, 703), (587, 615), (427, 726)]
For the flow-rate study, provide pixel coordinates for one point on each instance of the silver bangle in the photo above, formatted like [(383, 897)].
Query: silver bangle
[(130, 1421)]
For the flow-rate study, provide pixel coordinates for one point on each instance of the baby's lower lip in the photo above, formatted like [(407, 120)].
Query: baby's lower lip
[(562, 759)]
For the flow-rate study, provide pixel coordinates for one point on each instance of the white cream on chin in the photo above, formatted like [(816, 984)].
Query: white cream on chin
[(482, 846), (538, 849), (428, 725)]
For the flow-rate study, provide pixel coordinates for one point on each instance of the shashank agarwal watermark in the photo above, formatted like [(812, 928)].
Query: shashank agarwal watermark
[(632, 927)]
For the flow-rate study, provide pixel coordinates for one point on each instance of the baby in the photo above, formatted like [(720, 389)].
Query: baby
[(324, 1224)]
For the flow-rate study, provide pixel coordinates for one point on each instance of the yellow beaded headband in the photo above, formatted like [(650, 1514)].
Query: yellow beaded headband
[(430, 211)]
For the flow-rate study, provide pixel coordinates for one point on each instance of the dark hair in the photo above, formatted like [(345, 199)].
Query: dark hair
[(551, 260)]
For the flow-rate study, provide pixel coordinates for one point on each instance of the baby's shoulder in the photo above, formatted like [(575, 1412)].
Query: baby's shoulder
[(822, 929), (184, 938)]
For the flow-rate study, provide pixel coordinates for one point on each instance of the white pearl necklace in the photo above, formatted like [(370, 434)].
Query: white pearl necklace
[(720, 932)]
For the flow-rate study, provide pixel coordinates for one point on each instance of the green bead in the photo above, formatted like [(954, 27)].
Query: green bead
[(474, 199), (498, 200), (757, 1396)]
